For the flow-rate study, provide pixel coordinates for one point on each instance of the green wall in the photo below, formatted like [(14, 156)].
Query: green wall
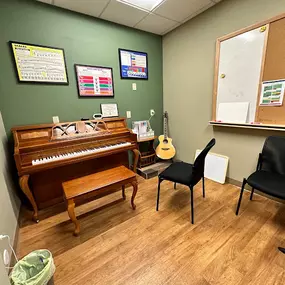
[(86, 40)]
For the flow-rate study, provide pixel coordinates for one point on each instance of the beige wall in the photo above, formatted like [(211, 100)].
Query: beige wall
[(188, 72), (3, 274), (9, 203)]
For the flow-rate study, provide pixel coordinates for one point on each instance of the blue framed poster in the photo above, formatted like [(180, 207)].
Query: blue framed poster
[(133, 64)]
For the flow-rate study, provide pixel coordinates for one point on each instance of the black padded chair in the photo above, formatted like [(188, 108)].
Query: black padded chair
[(186, 174), (269, 176)]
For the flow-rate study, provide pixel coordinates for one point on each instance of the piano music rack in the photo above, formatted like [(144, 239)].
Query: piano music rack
[(79, 128)]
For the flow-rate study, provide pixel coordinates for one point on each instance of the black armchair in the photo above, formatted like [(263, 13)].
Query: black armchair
[(269, 176), (186, 174)]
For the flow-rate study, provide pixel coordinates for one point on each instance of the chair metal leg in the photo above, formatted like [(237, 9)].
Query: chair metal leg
[(192, 205), (251, 195), (282, 249), (203, 182), (240, 197), (158, 193), (175, 185)]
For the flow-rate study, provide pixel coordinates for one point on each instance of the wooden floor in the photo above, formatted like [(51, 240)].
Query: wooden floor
[(120, 246)]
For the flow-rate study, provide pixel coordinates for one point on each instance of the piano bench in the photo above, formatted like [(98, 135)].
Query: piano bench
[(98, 182)]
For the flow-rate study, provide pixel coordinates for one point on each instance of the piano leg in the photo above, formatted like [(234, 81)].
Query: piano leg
[(136, 159), (71, 213), (24, 184), (135, 186)]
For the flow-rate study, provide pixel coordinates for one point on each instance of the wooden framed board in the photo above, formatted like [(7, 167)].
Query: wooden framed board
[(245, 61)]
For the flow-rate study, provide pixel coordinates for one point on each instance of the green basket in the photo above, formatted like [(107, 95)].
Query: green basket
[(36, 268)]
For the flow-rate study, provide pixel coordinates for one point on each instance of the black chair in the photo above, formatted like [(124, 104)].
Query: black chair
[(269, 176), (186, 174)]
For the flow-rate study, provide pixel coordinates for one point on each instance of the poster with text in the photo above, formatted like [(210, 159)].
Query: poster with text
[(39, 64), (272, 93), (94, 81), (133, 64)]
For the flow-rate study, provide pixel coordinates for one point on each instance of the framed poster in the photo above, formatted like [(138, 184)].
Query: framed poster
[(109, 110), (133, 64), (94, 81), (39, 64)]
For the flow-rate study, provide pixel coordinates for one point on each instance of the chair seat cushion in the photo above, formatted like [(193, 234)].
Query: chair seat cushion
[(179, 172), (268, 182)]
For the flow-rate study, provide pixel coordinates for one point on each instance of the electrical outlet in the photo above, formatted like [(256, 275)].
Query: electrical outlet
[(152, 112), (55, 119), (6, 257), (129, 114), (134, 86)]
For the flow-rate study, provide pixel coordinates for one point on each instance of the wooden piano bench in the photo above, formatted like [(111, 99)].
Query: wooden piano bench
[(98, 183)]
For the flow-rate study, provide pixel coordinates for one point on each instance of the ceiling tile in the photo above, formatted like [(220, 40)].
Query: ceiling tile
[(155, 24), (123, 14), (171, 28), (179, 10), (88, 7)]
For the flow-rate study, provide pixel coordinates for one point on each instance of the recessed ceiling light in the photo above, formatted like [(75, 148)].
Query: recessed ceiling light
[(148, 5)]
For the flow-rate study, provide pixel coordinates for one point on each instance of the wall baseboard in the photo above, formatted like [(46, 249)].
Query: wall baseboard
[(256, 192), (237, 183)]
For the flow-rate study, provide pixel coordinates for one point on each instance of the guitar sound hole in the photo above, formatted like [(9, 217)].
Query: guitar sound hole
[(165, 141)]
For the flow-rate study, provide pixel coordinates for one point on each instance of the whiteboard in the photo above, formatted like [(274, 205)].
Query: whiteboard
[(240, 63), (216, 166)]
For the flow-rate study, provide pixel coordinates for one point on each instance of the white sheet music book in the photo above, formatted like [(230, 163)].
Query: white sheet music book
[(109, 110), (233, 112)]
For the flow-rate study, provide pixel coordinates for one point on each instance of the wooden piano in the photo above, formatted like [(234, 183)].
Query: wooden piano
[(48, 154)]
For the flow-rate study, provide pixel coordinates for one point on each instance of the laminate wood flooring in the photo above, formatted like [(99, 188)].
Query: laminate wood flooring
[(120, 246)]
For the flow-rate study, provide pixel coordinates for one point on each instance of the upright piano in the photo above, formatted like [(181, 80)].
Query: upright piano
[(48, 154)]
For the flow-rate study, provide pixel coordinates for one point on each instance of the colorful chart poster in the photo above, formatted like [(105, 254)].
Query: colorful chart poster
[(94, 81), (272, 93), (39, 64), (133, 64)]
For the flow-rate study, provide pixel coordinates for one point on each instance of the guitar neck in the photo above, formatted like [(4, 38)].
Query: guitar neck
[(165, 128)]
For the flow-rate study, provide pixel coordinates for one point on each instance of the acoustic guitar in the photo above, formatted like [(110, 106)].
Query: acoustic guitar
[(165, 148)]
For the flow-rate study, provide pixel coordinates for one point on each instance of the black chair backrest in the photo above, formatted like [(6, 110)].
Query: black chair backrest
[(273, 155), (199, 163)]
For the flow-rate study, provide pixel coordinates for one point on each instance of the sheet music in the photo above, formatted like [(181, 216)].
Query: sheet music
[(109, 110)]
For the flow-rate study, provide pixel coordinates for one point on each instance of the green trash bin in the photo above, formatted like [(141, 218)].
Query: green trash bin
[(36, 268)]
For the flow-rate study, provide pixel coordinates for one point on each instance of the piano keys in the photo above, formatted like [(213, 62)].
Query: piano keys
[(78, 153), (46, 155)]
